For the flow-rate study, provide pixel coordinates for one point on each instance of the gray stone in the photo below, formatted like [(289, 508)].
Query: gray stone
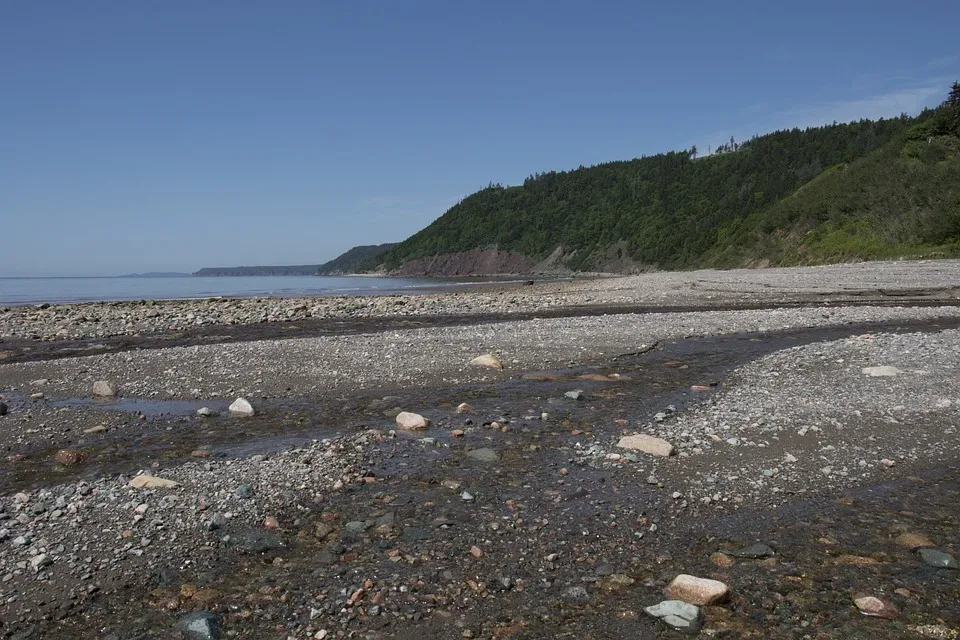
[(39, 561), (206, 412), (356, 526), (331, 553), (576, 594), (104, 389), (244, 492), (575, 395), (938, 559), (256, 541), (216, 521), (677, 614), (416, 534), (484, 454), (166, 576), (200, 625), (758, 550)]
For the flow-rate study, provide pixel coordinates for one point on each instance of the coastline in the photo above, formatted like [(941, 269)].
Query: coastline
[(732, 369), (858, 283)]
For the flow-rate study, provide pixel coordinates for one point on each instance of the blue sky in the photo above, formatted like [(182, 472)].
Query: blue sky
[(172, 135)]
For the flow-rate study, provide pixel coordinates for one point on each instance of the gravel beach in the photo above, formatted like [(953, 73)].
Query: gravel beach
[(789, 433)]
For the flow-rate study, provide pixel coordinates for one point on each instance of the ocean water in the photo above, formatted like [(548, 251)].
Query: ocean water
[(20, 291)]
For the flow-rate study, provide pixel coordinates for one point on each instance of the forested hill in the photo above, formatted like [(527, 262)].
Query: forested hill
[(350, 261), (347, 262), (742, 207)]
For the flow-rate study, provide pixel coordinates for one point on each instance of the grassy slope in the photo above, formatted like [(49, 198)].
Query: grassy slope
[(901, 200)]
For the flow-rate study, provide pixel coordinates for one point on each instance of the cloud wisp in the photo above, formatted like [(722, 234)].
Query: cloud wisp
[(910, 99)]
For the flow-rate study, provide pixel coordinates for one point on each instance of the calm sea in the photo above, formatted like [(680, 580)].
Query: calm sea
[(17, 291)]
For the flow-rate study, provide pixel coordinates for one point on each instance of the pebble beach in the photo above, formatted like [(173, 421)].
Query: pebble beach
[(622, 445)]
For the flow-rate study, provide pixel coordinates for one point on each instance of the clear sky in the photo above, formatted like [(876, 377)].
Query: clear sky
[(142, 136)]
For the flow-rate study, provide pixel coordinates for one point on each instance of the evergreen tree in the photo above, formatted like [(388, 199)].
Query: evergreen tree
[(953, 99)]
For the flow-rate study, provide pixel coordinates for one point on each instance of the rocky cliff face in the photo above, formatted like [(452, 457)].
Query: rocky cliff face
[(492, 262), (477, 262)]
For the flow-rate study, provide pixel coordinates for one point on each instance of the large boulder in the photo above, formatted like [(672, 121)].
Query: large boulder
[(646, 444), (412, 421), (488, 360), (104, 389), (938, 559), (698, 591), (241, 407)]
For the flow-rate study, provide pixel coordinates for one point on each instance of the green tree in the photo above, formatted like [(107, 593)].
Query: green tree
[(668, 211), (953, 99)]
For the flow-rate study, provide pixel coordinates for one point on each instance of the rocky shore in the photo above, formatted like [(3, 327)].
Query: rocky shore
[(784, 473), (839, 283)]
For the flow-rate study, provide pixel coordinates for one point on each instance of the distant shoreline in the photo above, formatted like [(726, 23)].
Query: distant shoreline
[(48, 290)]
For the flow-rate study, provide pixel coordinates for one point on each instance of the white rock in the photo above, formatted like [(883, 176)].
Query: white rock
[(677, 614), (151, 482), (242, 407), (488, 360), (646, 444), (104, 389), (40, 561), (881, 372), (411, 421)]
